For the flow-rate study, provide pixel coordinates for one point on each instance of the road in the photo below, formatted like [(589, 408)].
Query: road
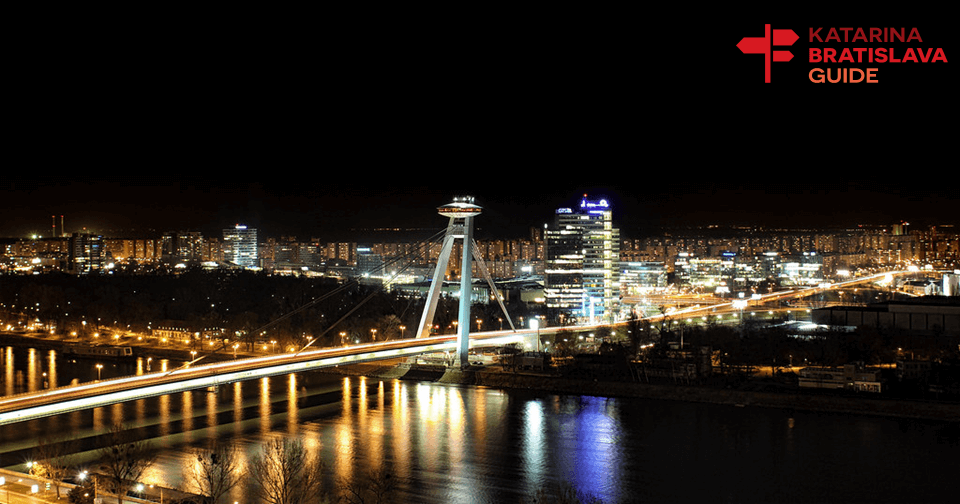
[(18, 488), (101, 393), (739, 305)]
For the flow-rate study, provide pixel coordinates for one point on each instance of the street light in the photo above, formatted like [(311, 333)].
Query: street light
[(535, 324), (99, 368), (82, 476), (161, 493)]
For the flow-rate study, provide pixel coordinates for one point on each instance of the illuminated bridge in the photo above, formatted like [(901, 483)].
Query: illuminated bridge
[(102, 393)]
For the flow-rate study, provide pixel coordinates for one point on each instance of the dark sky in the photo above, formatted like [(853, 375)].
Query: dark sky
[(316, 206), (341, 120)]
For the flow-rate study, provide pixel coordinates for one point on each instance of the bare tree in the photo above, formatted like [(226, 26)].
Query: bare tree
[(123, 459), (286, 474), (372, 487), (563, 493), (216, 471), (51, 459)]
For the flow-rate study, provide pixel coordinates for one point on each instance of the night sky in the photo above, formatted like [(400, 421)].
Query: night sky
[(334, 122), (318, 207)]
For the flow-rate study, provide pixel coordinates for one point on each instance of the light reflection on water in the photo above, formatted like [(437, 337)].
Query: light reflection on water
[(445, 444), (440, 443)]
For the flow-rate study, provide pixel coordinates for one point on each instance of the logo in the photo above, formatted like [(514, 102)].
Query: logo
[(763, 45)]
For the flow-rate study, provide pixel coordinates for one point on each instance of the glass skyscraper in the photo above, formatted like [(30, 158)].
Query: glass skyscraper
[(582, 278), (240, 246), (86, 253)]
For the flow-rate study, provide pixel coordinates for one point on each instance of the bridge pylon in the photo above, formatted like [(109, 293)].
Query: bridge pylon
[(461, 213)]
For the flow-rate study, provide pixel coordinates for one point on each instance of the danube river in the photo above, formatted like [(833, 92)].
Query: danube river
[(457, 444)]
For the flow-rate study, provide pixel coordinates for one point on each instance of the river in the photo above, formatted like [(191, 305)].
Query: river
[(457, 444)]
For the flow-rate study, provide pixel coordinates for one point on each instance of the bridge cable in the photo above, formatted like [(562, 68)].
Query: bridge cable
[(493, 287), (404, 267), (420, 250)]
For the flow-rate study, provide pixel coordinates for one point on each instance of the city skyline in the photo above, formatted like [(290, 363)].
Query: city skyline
[(307, 210)]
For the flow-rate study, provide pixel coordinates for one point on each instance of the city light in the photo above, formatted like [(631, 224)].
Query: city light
[(199, 377), (625, 287)]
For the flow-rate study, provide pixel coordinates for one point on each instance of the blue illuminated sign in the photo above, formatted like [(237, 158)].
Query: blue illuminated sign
[(590, 204)]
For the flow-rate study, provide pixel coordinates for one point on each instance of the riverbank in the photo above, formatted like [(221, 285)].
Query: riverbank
[(495, 377), (139, 349)]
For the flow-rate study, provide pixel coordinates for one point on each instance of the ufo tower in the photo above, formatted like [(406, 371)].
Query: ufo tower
[(461, 213)]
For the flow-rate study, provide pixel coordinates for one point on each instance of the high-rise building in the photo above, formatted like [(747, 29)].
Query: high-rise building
[(182, 246), (582, 266), (86, 253), (240, 246), (369, 264)]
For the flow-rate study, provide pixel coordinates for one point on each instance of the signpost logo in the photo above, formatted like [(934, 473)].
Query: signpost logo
[(764, 45), (858, 53)]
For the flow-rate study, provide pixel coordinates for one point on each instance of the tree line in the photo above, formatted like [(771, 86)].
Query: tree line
[(236, 302), (245, 306)]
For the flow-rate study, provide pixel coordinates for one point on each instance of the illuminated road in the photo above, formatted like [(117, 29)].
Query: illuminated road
[(101, 393), (738, 305)]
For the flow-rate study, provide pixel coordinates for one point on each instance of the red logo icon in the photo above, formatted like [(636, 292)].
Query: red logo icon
[(763, 45)]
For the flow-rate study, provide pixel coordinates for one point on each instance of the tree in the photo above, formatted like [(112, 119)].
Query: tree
[(217, 470), (51, 458), (286, 474), (563, 493), (123, 459), (82, 493), (372, 487)]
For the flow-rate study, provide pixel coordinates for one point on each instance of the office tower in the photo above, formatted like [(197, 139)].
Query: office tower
[(582, 264), (240, 246), (86, 253), (369, 264)]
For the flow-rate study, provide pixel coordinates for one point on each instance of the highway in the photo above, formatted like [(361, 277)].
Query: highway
[(101, 393), (741, 304)]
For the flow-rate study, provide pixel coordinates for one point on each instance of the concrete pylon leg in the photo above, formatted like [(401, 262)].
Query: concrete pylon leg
[(433, 296), (466, 292)]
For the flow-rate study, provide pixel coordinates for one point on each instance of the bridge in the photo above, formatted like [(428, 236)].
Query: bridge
[(461, 212), (103, 393)]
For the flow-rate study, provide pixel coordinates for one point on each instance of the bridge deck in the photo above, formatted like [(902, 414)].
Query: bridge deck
[(89, 395)]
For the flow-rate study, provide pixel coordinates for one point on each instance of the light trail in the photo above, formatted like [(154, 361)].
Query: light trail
[(773, 296), (103, 393)]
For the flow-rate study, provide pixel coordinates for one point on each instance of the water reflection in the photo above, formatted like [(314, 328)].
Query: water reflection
[(443, 443), (8, 371), (597, 443), (533, 443), (51, 370)]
